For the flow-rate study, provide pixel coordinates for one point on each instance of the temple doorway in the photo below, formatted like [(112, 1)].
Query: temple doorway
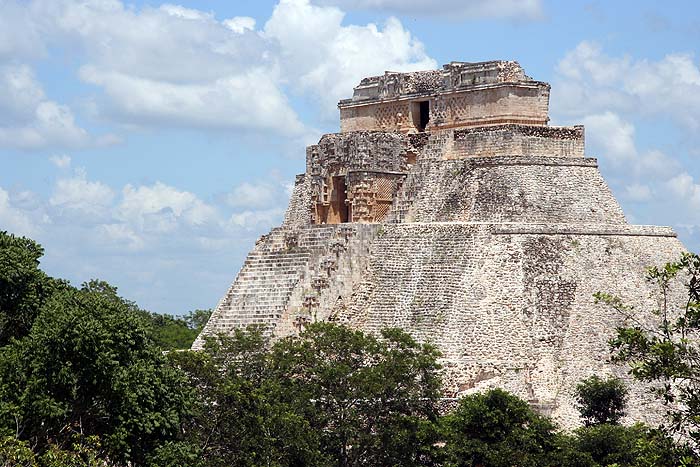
[(339, 211), (421, 115)]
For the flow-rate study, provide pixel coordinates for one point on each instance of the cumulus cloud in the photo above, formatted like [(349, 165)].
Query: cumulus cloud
[(240, 24), (248, 101), (28, 120), (637, 192), (476, 9), (177, 66), (79, 197), (591, 81), (160, 207), (614, 136), (21, 37), (172, 66), (254, 195), (12, 219), (254, 220), (618, 98), (325, 59)]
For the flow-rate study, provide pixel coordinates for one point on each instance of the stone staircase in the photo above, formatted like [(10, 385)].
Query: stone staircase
[(262, 290)]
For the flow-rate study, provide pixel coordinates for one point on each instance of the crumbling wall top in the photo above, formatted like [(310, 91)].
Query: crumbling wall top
[(453, 76)]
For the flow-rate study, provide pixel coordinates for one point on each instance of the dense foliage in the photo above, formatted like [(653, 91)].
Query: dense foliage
[(87, 379), (176, 333), (497, 429), (667, 353), (601, 400)]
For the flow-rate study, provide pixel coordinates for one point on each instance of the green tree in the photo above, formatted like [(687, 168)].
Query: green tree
[(601, 400), (89, 367), (176, 333), (240, 417), (371, 400), (633, 446), (24, 288), (331, 396), (197, 319), (170, 332), (497, 429), (16, 453), (666, 354)]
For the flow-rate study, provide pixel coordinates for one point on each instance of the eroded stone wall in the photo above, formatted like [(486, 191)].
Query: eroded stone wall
[(510, 140), (510, 309), (486, 105), (507, 189), (487, 234)]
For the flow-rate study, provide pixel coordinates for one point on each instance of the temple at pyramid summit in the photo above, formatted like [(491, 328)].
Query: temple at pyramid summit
[(447, 206)]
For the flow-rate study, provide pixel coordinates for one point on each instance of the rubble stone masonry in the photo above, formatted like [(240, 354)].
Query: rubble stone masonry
[(474, 226)]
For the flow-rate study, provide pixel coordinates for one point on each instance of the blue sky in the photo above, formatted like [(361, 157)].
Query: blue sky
[(149, 144)]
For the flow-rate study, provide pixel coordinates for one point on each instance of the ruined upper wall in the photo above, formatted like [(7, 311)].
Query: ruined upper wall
[(459, 95)]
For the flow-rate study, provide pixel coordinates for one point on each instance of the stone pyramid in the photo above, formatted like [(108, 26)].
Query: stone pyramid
[(448, 207)]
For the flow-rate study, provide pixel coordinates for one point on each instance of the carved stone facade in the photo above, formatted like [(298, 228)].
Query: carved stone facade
[(459, 95), (484, 231)]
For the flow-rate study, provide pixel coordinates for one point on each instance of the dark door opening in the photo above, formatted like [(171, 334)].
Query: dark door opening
[(339, 208), (424, 112)]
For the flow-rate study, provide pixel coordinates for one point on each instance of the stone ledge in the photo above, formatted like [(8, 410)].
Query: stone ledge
[(624, 230), (486, 161), (583, 229)]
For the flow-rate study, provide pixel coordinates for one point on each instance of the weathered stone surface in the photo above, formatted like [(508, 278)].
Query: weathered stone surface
[(485, 235), (459, 95)]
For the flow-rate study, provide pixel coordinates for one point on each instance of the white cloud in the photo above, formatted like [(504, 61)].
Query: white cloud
[(175, 66), (517, 9), (62, 162), (326, 60), (20, 94), (253, 195), (20, 35), (29, 120), (240, 24), (178, 66), (77, 196), (120, 234), (612, 135), (637, 192), (248, 101), (12, 219), (592, 82), (612, 139), (185, 13), (251, 219), (159, 208), (684, 187)]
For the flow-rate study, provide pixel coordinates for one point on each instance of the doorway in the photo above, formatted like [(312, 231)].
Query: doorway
[(421, 115), (339, 212)]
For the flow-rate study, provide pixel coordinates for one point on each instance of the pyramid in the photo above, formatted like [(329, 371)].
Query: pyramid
[(448, 207)]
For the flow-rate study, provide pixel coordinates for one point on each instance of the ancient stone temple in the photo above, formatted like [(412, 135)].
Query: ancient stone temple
[(448, 207)]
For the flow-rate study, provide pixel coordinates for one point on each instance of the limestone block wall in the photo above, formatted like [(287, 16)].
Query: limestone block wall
[(489, 105), (510, 140), (387, 116), (298, 213), (261, 290), (506, 189), (524, 103), (339, 260), (292, 277), (509, 309)]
